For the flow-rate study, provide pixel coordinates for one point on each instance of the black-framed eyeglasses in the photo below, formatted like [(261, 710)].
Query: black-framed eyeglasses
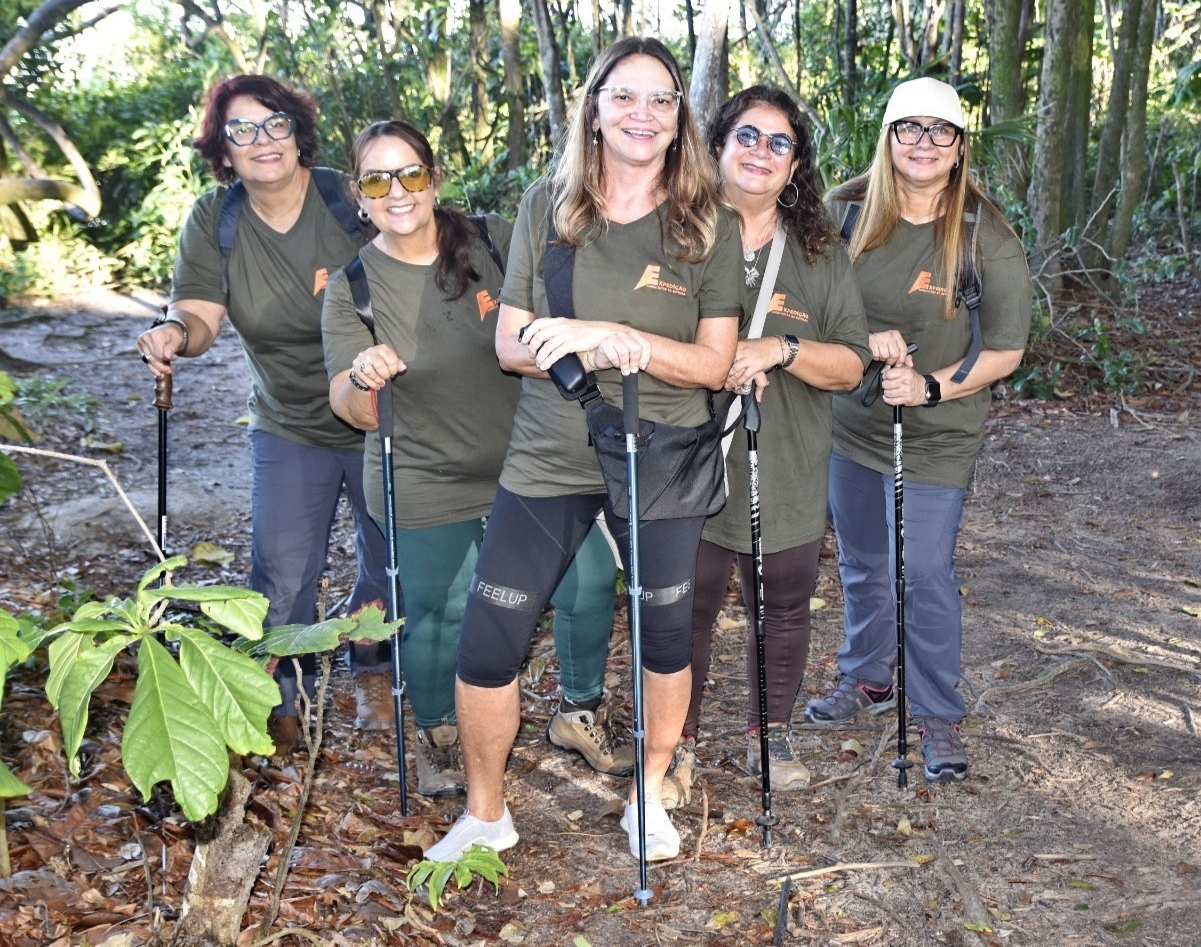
[(242, 131), (748, 136), (413, 178), (941, 134)]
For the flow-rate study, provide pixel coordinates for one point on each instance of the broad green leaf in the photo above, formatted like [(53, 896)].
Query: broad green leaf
[(441, 875), (205, 593), (371, 624), (12, 649), (8, 388), (63, 653), (1124, 928), (239, 693), (90, 627), (10, 478), (978, 928), (87, 610), (303, 639), (89, 669), (10, 786), (170, 735), (155, 572), (242, 616)]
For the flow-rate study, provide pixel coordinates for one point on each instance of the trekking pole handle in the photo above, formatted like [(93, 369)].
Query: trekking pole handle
[(754, 418), (162, 392), (629, 402)]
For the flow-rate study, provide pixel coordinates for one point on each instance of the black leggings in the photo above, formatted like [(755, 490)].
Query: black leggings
[(527, 546), (789, 578)]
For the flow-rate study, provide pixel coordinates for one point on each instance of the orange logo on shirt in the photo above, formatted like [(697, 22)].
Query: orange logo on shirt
[(320, 278), (923, 285), (484, 300), (777, 306), (650, 279)]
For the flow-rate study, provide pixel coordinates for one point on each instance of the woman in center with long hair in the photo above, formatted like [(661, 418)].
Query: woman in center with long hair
[(655, 288)]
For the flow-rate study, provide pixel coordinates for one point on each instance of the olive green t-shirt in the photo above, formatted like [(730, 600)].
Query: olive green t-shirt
[(623, 275), (816, 302), (276, 285), (452, 406), (899, 292)]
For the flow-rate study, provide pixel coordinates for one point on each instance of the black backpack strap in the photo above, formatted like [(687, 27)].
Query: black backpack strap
[(481, 224), (329, 185), (968, 291), (227, 227), (558, 275), (849, 219), (360, 292)]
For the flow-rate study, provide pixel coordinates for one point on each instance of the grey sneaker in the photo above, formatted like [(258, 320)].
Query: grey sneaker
[(373, 701), (591, 734), (784, 770), (677, 784), (439, 763), (847, 700), (942, 746)]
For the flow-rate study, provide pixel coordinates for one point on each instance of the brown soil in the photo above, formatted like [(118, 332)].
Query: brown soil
[(1080, 823)]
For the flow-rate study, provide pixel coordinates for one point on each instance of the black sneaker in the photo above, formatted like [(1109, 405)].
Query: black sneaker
[(848, 700), (942, 746)]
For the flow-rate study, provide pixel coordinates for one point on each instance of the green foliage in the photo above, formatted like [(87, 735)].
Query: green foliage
[(61, 262), (44, 400), (196, 698), (477, 860), (13, 651), (12, 426)]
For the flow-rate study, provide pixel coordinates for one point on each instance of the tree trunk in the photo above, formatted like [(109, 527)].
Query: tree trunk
[(850, 53), (548, 49), (598, 34), (1076, 128), (707, 90), (481, 129), (1134, 149), (958, 13), (1006, 98), (1046, 184), (510, 39), (690, 17), (1102, 205), (228, 856)]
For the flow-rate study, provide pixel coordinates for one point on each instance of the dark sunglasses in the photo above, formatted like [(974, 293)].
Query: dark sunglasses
[(414, 178), (243, 132), (748, 136)]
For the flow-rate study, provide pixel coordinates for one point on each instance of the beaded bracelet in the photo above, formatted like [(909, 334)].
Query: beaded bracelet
[(354, 380), (183, 327)]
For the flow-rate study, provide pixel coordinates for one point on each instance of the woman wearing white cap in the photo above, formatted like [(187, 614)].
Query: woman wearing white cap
[(918, 227)]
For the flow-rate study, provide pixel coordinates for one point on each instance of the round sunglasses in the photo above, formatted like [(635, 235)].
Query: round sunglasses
[(748, 136), (376, 184)]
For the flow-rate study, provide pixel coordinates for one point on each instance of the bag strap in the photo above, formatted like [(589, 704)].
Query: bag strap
[(329, 186), (969, 292), (558, 278), (481, 224), (849, 219)]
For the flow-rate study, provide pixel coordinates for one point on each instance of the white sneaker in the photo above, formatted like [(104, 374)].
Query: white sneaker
[(468, 831), (662, 839)]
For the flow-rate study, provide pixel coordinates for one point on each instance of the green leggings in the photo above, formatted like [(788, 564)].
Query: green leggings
[(436, 565)]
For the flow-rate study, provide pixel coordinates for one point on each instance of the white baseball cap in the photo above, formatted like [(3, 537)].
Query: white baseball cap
[(925, 96)]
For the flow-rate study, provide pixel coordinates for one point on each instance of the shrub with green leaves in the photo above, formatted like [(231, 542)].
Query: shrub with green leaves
[(13, 651), (477, 860)]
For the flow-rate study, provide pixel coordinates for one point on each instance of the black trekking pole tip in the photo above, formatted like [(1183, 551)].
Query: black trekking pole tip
[(902, 765), (767, 820)]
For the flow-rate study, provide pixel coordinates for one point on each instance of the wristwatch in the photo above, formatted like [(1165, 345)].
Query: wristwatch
[(794, 346), (933, 391)]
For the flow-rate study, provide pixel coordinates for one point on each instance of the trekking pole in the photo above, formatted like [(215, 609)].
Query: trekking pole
[(384, 401), (901, 764), (162, 401), (752, 423), (629, 398)]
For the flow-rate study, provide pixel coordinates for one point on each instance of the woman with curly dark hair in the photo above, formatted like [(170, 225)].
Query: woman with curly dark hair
[(814, 342)]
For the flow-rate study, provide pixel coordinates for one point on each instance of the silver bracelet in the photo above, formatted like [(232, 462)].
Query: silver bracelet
[(183, 327), (354, 380)]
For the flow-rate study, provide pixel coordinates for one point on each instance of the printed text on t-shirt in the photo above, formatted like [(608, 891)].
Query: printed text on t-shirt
[(777, 306), (484, 300), (923, 285), (650, 279)]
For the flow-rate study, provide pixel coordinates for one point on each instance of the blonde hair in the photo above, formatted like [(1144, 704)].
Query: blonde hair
[(689, 174), (880, 216)]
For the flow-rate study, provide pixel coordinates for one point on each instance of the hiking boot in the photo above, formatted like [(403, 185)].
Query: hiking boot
[(284, 733), (942, 746), (847, 700), (662, 839), (439, 765), (591, 734), (373, 701), (468, 830), (784, 769), (677, 784)]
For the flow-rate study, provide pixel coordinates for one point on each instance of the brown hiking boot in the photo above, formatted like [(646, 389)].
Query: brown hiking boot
[(677, 784), (591, 734), (439, 762), (783, 768), (284, 733), (373, 701)]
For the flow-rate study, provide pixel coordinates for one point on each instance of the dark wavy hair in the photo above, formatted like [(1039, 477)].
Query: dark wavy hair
[(211, 143), (807, 219), (455, 272)]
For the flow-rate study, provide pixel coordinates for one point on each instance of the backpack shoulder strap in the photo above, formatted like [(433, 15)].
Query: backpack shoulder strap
[(360, 293), (329, 185), (849, 219), (968, 291), (481, 224), (227, 227)]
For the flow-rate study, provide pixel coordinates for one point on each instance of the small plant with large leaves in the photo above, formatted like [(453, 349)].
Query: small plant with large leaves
[(477, 860), (196, 697)]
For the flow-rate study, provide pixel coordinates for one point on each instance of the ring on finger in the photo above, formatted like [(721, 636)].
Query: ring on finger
[(145, 358)]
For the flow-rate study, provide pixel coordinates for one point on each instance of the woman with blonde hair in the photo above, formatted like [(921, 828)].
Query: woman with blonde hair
[(923, 229), (654, 285)]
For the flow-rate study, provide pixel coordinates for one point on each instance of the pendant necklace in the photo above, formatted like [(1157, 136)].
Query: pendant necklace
[(750, 256)]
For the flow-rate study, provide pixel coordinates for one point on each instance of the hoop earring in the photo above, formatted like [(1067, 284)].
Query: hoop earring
[(363, 216), (596, 136), (956, 165), (796, 195)]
